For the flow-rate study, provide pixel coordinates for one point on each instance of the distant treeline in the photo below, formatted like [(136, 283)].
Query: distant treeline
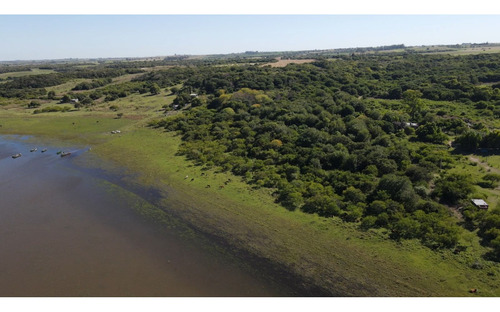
[(33, 86)]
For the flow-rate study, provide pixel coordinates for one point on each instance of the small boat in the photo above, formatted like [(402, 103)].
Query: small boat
[(65, 154), (34, 149), (58, 153), (17, 155), (44, 150)]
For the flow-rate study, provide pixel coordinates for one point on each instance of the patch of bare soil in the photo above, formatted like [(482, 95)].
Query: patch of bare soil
[(283, 63)]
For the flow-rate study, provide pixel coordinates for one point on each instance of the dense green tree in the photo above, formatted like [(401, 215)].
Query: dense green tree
[(469, 141), (415, 105), (453, 187), (430, 132), (154, 88), (322, 205)]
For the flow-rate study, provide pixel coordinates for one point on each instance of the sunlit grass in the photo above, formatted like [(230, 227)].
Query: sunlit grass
[(34, 71), (333, 254)]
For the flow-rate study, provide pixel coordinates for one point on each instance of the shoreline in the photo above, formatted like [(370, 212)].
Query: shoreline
[(116, 178), (335, 257)]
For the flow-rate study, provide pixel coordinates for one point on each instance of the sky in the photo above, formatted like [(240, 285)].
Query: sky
[(25, 35)]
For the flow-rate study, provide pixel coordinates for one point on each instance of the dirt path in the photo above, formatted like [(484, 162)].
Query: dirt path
[(484, 165)]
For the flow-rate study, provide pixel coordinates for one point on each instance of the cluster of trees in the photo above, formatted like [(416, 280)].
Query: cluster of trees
[(472, 140), (13, 68), (95, 83), (434, 77), (110, 93), (354, 138), (312, 133), (33, 86), (338, 158)]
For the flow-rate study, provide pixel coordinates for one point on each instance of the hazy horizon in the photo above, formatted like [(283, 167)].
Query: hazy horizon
[(50, 37)]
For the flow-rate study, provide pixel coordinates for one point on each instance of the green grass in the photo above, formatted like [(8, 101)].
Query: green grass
[(332, 253), (327, 252), (321, 249), (476, 170), (66, 87), (34, 71)]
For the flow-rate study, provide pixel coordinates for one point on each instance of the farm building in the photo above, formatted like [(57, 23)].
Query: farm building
[(405, 124), (481, 204)]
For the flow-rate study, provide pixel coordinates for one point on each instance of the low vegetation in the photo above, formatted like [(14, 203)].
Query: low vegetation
[(387, 148)]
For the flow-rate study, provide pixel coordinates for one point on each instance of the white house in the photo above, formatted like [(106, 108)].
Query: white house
[(481, 204)]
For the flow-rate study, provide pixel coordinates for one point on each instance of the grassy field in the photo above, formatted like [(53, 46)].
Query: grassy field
[(325, 252), (66, 87), (34, 71)]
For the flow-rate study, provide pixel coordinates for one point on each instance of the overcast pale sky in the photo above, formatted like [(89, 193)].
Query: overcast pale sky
[(28, 37)]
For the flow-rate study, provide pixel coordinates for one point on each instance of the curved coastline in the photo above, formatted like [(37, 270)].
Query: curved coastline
[(321, 257), (49, 167)]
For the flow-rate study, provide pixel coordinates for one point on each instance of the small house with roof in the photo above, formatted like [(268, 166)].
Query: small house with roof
[(481, 204)]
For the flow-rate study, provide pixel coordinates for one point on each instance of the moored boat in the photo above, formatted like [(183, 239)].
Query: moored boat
[(44, 150), (34, 149), (17, 155), (65, 154)]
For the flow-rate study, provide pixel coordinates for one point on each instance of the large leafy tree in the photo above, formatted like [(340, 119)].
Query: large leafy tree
[(415, 105), (453, 187)]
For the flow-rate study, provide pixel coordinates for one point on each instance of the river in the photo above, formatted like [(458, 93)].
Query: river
[(68, 231)]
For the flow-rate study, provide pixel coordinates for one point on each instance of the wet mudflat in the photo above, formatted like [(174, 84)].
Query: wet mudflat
[(64, 233)]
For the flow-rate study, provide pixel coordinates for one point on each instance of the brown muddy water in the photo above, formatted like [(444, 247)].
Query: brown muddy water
[(65, 232)]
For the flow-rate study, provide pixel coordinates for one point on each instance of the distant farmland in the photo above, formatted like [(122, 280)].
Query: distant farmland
[(283, 63)]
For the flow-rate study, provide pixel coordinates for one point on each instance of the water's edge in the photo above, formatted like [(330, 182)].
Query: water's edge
[(274, 274), (298, 286)]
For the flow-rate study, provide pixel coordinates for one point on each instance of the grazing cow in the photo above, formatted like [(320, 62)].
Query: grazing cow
[(203, 173), (208, 186), (221, 187), (192, 179), (473, 290), (186, 177)]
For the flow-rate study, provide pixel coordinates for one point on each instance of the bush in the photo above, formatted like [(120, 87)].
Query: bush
[(34, 104), (453, 188), (368, 222), (51, 109), (431, 133), (322, 205)]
